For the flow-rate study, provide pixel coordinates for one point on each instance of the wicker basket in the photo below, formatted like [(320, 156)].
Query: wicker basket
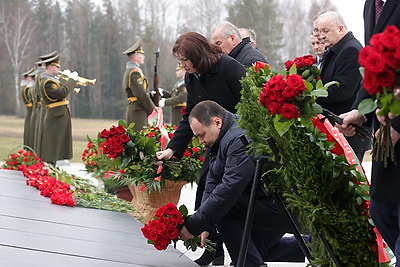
[(124, 193), (147, 203)]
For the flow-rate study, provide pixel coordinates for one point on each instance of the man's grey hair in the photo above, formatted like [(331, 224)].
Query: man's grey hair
[(227, 29), (250, 32), (336, 18)]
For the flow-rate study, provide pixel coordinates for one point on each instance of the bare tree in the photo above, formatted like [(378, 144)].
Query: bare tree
[(296, 29), (16, 29)]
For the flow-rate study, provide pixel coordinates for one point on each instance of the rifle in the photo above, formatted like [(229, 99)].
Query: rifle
[(155, 80)]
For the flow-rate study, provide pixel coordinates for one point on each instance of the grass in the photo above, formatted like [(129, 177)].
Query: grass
[(12, 128)]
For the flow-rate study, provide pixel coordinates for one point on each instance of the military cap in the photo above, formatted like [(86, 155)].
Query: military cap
[(46, 56), (53, 61), (135, 48), (29, 72)]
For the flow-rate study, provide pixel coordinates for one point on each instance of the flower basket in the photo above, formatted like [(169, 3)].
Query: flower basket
[(124, 193), (146, 203)]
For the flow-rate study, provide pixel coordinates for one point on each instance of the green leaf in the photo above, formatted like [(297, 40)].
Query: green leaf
[(183, 210), (367, 106), (319, 85), (316, 109), (395, 107), (122, 123), (293, 69), (361, 69), (281, 127), (331, 83), (319, 93)]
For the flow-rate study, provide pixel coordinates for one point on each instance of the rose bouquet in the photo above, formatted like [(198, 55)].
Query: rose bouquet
[(380, 66), (316, 178), (164, 228), (131, 156)]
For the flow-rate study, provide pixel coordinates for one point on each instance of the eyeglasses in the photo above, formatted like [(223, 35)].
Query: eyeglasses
[(317, 31)]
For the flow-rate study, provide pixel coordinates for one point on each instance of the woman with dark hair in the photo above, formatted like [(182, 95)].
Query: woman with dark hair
[(210, 75)]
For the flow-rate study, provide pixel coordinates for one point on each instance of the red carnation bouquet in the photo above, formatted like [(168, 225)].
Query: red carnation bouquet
[(380, 66), (164, 229)]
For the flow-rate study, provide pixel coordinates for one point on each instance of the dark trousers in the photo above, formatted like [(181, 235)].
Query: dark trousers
[(266, 241), (386, 218)]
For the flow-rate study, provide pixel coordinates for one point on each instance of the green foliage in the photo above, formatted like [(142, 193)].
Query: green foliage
[(325, 190), (137, 163)]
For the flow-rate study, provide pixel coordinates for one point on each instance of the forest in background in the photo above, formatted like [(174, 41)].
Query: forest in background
[(91, 34)]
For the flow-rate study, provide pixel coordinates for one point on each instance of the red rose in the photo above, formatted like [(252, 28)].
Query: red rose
[(370, 83), (264, 95), (391, 40), (376, 42), (397, 53), (371, 60), (104, 133), (259, 65), (290, 111), (276, 83), (296, 82), (391, 59), (289, 64), (274, 107), (120, 129), (386, 78), (391, 29)]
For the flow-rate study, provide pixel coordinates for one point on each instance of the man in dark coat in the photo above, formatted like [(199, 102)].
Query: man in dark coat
[(340, 64), (227, 193), (385, 181), (227, 36)]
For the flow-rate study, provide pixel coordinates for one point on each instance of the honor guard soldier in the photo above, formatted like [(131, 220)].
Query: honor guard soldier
[(136, 87), (27, 85), (177, 98), (56, 142), (38, 112)]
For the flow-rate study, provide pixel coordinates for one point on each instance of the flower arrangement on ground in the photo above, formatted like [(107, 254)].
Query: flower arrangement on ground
[(315, 177), (61, 187), (131, 157), (164, 228), (380, 66)]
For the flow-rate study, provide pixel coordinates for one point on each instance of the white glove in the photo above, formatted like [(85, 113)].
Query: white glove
[(161, 103), (74, 76), (66, 72), (160, 90)]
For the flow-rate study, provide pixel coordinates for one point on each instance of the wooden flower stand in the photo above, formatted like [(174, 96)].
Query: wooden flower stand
[(147, 203)]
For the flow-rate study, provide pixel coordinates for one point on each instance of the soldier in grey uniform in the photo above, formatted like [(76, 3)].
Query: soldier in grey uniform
[(26, 92), (56, 142), (177, 98), (38, 112), (135, 84)]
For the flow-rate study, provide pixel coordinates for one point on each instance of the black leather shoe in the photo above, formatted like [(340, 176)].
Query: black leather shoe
[(216, 257)]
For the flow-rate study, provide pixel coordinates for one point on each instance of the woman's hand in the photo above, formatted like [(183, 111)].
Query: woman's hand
[(165, 154)]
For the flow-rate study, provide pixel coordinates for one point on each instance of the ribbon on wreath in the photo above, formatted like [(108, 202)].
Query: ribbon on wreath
[(156, 118), (352, 159)]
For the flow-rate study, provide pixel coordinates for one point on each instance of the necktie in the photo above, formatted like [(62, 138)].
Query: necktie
[(378, 9)]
